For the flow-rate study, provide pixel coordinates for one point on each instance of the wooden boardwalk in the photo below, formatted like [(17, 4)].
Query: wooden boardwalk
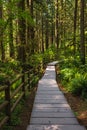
[(51, 110)]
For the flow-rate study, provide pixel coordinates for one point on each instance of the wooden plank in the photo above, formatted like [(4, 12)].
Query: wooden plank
[(52, 110), (48, 101), (55, 127), (48, 89), (53, 121), (49, 92), (45, 81), (53, 63), (49, 96), (64, 105), (52, 114)]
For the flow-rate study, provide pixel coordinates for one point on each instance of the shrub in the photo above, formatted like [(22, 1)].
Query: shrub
[(78, 86), (74, 77)]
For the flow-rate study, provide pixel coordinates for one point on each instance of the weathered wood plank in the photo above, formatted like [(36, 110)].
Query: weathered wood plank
[(52, 114), (51, 105), (55, 127), (48, 101), (49, 97), (39, 96), (53, 121), (52, 109), (49, 92), (48, 89), (53, 63)]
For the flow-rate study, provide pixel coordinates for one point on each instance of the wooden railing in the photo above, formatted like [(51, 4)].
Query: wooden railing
[(25, 83)]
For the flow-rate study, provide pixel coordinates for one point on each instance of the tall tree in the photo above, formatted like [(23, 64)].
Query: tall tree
[(1, 33), (57, 24), (75, 21), (82, 41), (10, 29), (22, 30), (32, 28)]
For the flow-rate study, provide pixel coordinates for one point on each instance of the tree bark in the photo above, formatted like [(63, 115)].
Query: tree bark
[(82, 41), (32, 28), (75, 27), (10, 30), (57, 25), (1, 34), (22, 30)]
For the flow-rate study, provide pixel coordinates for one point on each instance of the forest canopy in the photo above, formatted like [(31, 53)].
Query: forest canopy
[(36, 31)]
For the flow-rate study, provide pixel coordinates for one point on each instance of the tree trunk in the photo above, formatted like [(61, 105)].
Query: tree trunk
[(42, 36), (57, 25), (47, 34), (32, 28), (75, 21), (82, 42), (1, 35), (22, 31)]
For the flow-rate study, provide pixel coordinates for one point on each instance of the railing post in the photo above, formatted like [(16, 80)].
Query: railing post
[(23, 81), (29, 80), (7, 98)]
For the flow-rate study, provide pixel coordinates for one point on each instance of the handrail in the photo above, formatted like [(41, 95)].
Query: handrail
[(3, 104), (16, 79), (17, 90), (26, 82), (2, 88), (4, 121), (17, 101)]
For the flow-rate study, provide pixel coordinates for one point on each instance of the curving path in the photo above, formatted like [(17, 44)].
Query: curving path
[(51, 110)]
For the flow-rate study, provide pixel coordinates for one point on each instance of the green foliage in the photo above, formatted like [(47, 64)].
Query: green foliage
[(74, 77), (49, 54), (15, 117), (35, 60), (16, 84), (8, 70), (34, 80), (78, 85)]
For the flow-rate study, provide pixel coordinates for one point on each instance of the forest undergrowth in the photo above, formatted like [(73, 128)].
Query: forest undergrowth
[(72, 80)]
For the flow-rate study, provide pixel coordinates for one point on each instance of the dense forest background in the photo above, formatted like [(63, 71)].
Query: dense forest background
[(36, 32), (30, 27)]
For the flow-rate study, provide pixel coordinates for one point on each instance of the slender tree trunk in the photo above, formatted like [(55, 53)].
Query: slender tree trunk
[(42, 36), (47, 34), (28, 28), (1, 34), (82, 42), (52, 26), (32, 28), (75, 21), (22, 31), (52, 33), (57, 25), (10, 30)]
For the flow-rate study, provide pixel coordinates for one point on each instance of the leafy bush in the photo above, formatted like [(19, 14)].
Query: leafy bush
[(67, 74), (76, 85), (8, 70), (74, 77), (49, 55)]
